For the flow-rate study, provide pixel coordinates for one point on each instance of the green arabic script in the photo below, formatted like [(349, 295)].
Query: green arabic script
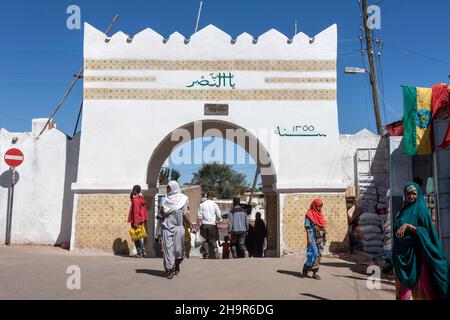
[(218, 80), (286, 134)]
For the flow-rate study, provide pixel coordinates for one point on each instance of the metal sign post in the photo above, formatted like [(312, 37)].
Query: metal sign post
[(10, 207), (14, 158)]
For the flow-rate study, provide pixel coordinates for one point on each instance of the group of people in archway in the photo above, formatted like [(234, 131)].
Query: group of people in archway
[(243, 239), (420, 262)]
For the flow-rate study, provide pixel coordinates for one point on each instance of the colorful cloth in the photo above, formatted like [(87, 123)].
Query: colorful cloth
[(315, 215), (417, 118), (441, 101), (407, 251), (423, 290), (314, 251), (420, 107)]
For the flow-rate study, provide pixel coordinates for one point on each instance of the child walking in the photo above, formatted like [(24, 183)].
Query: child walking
[(225, 248)]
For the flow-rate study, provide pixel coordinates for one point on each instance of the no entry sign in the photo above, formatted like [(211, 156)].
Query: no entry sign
[(13, 157)]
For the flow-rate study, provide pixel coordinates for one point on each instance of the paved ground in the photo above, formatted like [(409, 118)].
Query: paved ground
[(29, 272)]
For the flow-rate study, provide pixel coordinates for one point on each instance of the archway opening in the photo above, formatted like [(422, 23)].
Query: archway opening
[(240, 139)]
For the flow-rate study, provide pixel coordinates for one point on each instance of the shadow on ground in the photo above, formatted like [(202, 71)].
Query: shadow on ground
[(313, 296), (156, 273), (291, 273), (384, 280), (357, 268)]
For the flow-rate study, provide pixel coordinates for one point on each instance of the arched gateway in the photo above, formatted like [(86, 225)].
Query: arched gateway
[(273, 96)]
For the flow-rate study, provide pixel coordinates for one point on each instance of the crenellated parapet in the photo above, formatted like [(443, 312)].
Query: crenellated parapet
[(210, 43)]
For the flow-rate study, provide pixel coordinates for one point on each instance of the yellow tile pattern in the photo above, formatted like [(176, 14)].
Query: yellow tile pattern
[(294, 211), (299, 80), (101, 223), (118, 79), (243, 65), (209, 94)]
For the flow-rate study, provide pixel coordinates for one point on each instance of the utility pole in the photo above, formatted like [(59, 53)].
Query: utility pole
[(373, 76)]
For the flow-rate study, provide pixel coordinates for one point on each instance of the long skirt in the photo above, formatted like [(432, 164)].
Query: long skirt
[(314, 252), (423, 290), (173, 247)]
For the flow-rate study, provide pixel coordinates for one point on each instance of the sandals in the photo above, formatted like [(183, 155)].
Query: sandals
[(305, 272), (316, 276), (171, 275)]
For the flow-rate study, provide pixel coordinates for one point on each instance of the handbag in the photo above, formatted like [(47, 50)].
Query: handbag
[(199, 240), (138, 233)]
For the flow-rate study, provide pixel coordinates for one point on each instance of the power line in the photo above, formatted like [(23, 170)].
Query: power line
[(39, 52), (409, 52), (393, 6), (11, 117), (379, 2), (348, 56), (389, 106)]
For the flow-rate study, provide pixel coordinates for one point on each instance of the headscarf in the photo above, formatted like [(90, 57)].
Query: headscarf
[(315, 215), (175, 200), (408, 252)]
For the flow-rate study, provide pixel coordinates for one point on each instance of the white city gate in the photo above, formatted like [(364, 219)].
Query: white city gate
[(274, 96)]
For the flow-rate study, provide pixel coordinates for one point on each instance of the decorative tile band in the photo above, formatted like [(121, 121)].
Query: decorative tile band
[(209, 94), (119, 79), (238, 65), (299, 80)]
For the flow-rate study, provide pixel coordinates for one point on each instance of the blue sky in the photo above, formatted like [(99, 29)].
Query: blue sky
[(38, 54)]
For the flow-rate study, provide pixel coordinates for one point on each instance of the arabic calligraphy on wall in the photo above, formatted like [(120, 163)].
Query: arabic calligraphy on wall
[(299, 131), (217, 80)]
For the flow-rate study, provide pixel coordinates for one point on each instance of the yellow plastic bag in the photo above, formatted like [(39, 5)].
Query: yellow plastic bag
[(138, 233)]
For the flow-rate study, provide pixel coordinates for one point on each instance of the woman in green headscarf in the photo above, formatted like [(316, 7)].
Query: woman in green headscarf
[(420, 263)]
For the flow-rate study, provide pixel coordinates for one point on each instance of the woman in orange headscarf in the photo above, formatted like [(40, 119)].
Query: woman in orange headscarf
[(315, 225)]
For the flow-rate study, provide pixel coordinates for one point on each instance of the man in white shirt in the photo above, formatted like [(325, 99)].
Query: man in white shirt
[(207, 217)]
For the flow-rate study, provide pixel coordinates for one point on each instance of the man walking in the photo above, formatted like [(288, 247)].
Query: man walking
[(238, 229), (208, 215)]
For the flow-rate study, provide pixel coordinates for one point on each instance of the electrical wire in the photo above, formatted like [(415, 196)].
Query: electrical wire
[(39, 52), (11, 117), (389, 106), (393, 6), (410, 52)]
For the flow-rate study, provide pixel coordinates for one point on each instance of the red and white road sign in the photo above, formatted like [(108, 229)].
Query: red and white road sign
[(14, 157)]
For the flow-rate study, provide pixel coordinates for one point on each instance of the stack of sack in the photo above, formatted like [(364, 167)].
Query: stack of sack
[(373, 203), (370, 233), (368, 198)]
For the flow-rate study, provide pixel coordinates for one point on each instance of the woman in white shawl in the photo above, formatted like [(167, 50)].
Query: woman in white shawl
[(171, 214)]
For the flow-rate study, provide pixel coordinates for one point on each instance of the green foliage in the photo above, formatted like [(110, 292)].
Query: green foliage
[(175, 175), (221, 179), (164, 176)]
